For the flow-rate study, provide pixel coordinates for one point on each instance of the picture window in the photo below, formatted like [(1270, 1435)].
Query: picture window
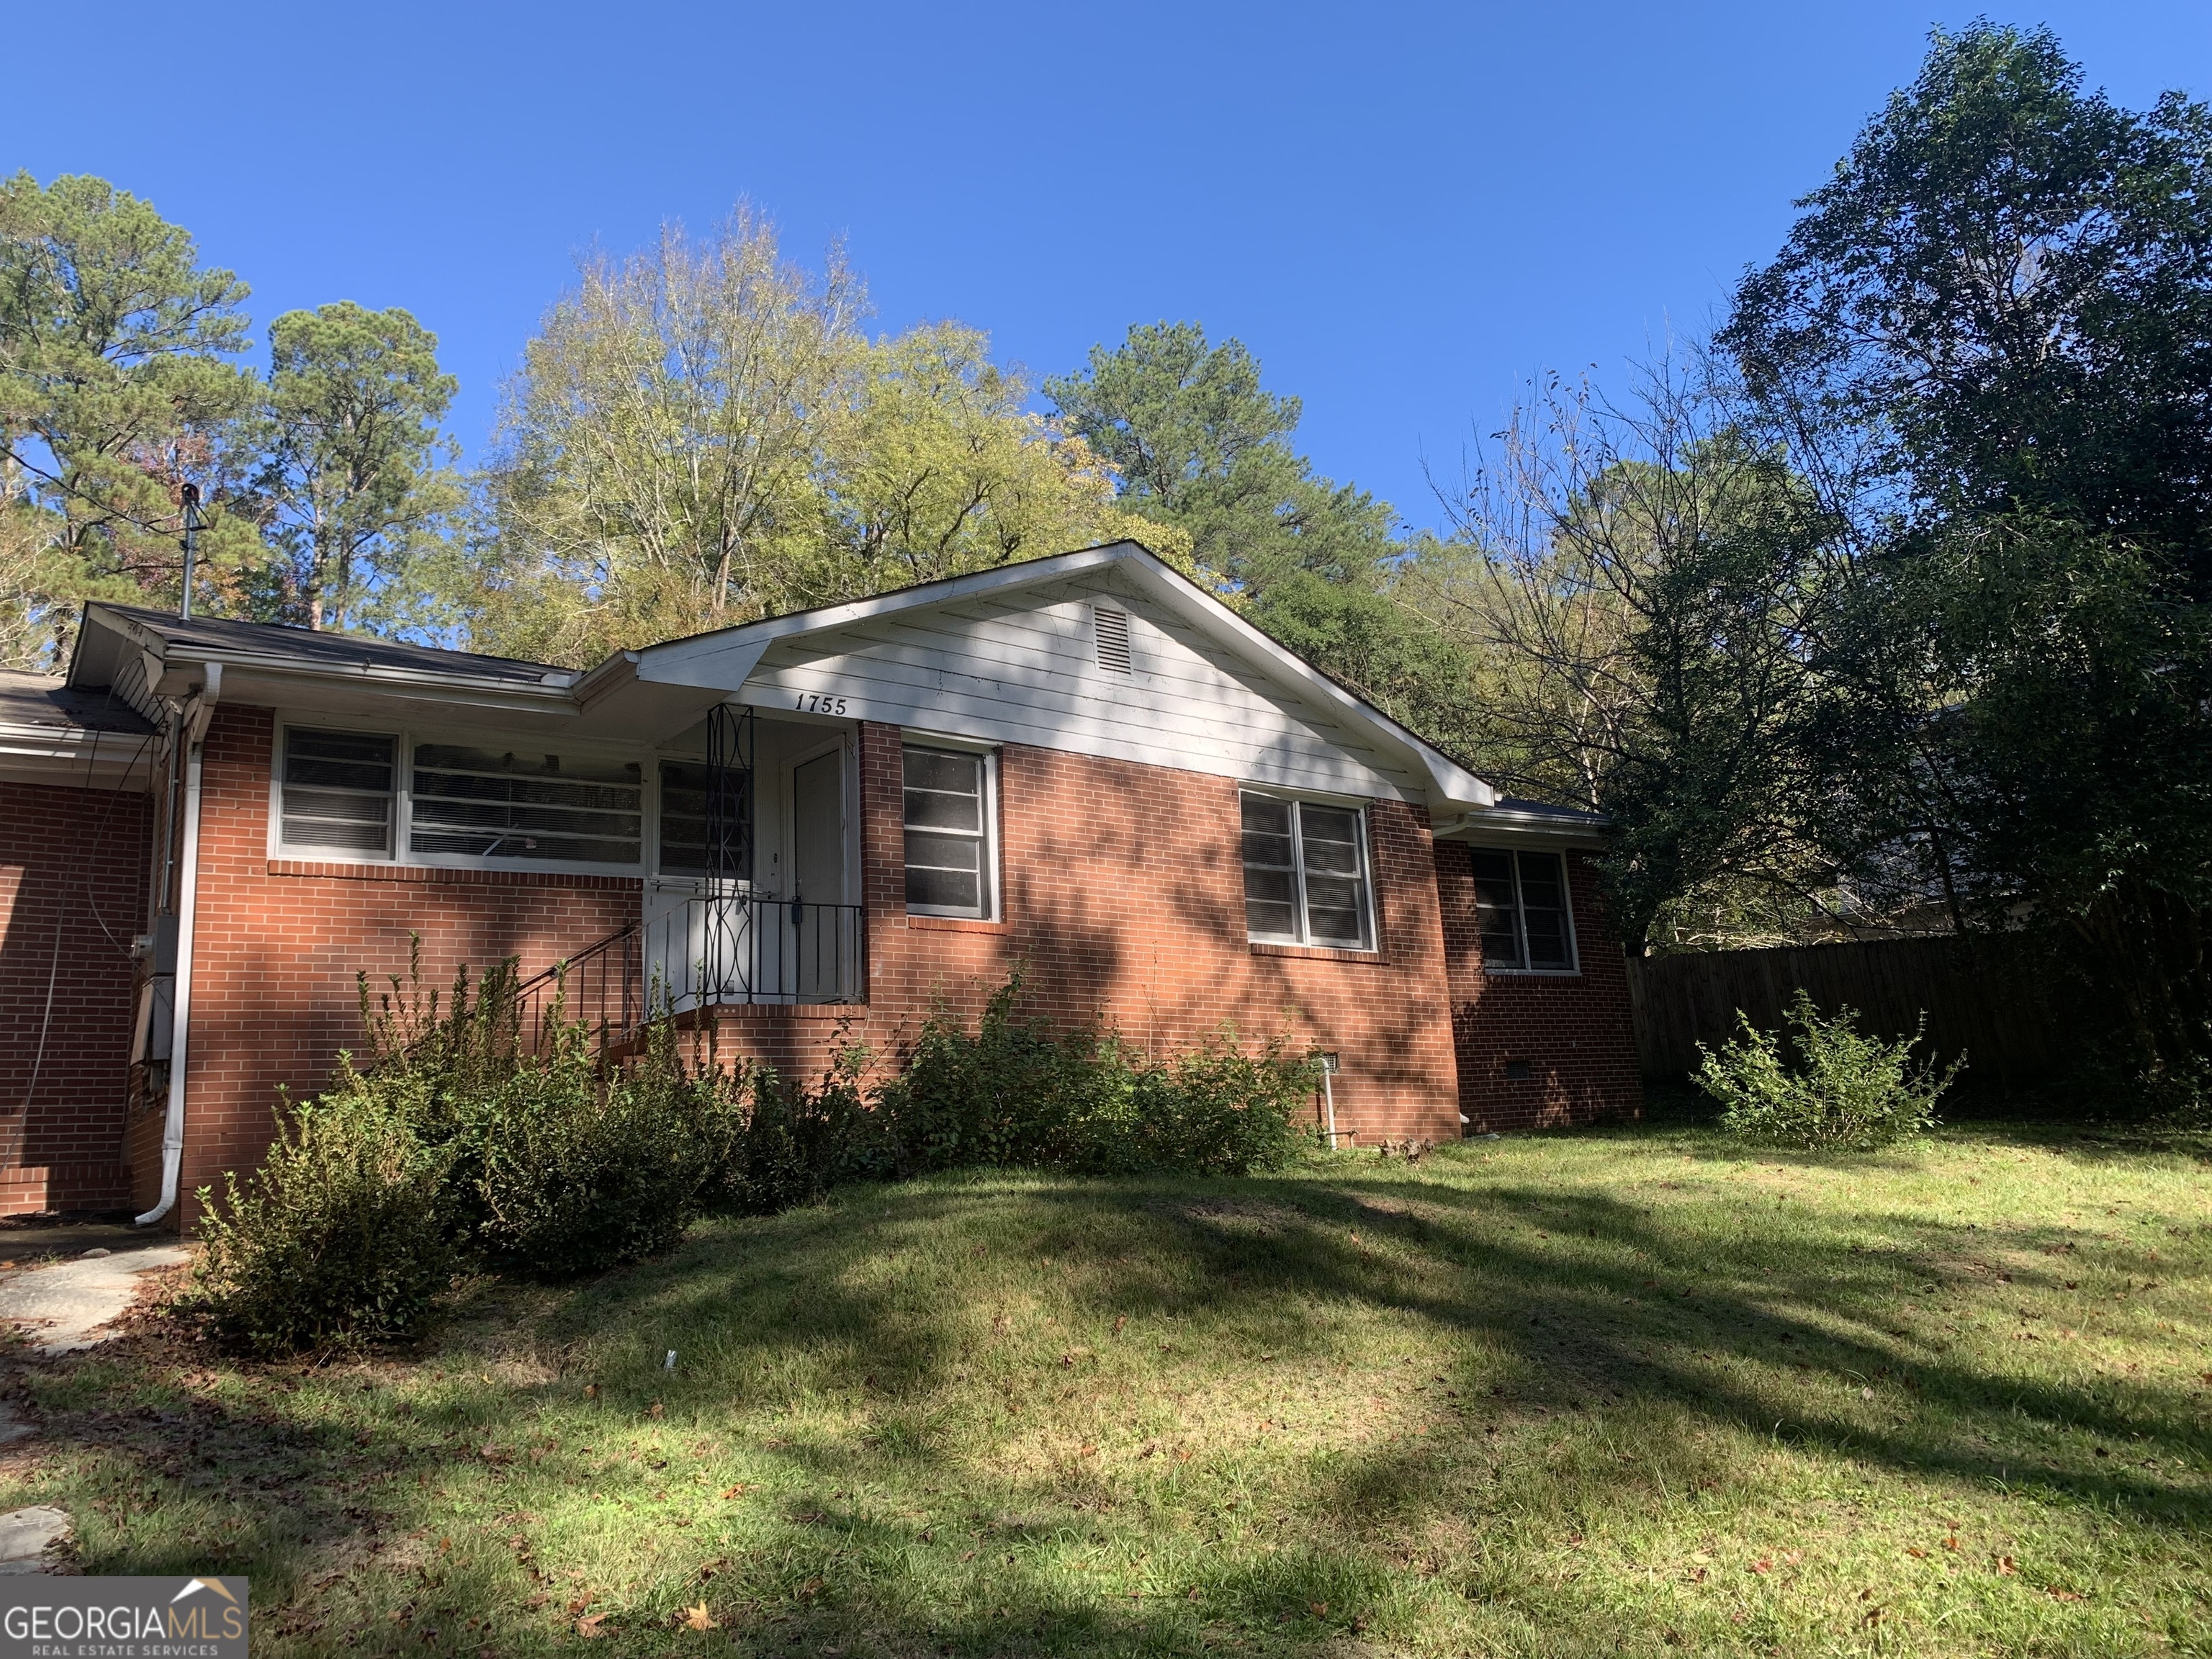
[(492, 804)]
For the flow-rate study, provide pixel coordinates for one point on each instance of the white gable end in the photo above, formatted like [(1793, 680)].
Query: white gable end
[(1022, 667)]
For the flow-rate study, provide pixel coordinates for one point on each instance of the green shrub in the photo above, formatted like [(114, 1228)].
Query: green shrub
[(1848, 1089), (337, 1240), (575, 1167), (1016, 1093), (1229, 1113), (784, 1144)]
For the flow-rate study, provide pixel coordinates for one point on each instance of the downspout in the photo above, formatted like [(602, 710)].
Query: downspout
[(180, 995)]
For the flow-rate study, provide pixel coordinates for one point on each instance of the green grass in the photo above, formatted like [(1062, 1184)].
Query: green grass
[(1620, 1393)]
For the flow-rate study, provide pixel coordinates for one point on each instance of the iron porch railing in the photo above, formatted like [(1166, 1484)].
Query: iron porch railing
[(701, 952)]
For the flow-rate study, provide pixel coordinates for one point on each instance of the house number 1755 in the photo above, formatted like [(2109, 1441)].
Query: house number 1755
[(819, 703)]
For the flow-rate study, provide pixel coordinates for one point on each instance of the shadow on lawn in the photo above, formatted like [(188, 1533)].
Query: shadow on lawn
[(1607, 1307)]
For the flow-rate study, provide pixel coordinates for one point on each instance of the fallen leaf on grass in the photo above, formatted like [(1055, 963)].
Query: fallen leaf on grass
[(2065, 1594), (810, 1589), (589, 1626), (536, 1601), (1952, 1542), (1088, 1451), (1120, 1320), (738, 1491), (581, 1602), (1916, 1552), (656, 1410), (2005, 1565), (1319, 1609), (1762, 1566), (968, 1555), (697, 1618)]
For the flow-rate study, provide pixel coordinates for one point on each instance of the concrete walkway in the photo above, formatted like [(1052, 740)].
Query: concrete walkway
[(63, 1306)]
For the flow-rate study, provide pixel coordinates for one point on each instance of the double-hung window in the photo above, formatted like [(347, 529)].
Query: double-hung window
[(1520, 905), (1305, 874), (337, 791), (950, 857)]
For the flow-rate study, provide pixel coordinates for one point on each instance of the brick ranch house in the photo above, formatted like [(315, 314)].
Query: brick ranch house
[(821, 825)]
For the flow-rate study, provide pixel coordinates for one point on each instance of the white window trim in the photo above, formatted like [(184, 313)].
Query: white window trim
[(404, 853), (994, 911), (1340, 803), (1521, 914)]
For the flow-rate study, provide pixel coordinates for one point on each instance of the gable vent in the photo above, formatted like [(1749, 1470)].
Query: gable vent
[(1110, 629)]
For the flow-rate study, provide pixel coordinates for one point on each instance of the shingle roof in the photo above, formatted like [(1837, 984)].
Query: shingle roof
[(214, 635), (46, 700)]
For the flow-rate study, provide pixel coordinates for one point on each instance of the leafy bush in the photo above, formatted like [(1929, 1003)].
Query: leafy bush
[(336, 1239), (1226, 1112), (1848, 1089), (1015, 1093), (784, 1144), (459, 1141), (571, 1166)]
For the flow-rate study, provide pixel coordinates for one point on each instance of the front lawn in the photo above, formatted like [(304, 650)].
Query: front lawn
[(1630, 1392)]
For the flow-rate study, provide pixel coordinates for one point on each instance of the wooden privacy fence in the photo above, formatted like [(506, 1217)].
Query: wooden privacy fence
[(1981, 994)]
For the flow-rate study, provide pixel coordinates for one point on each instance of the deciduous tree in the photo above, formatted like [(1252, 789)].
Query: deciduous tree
[(1989, 337)]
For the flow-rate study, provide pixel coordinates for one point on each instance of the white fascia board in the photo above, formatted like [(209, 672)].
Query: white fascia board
[(413, 684), (1523, 828), (1453, 786)]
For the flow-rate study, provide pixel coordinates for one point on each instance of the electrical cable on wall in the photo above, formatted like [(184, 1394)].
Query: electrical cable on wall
[(62, 910)]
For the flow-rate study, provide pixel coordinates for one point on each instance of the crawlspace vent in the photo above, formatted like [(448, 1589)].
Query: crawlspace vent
[(1110, 630)]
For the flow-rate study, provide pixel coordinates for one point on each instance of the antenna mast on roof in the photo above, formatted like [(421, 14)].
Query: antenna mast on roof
[(191, 543)]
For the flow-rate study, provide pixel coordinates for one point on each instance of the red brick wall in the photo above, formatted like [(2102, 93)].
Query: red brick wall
[(277, 943), (1123, 897), (1124, 900), (1572, 1030), (70, 860)]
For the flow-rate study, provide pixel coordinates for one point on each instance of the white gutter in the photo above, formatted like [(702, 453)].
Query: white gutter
[(180, 995)]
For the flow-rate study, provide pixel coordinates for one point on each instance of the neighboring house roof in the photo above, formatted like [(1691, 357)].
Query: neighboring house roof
[(50, 734), (652, 694)]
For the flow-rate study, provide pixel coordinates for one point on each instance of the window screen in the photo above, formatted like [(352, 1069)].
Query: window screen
[(1521, 908), (684, 817), (488, 803), (948, 833), (1305, 873), (338, 790)]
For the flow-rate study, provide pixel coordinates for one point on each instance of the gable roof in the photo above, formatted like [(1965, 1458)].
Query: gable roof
[(727, 657), (654, 692)]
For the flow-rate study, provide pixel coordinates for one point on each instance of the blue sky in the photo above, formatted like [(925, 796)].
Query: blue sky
[(1404, 210)]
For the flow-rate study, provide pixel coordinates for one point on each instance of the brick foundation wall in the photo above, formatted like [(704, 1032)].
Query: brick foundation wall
[(73, 868), (1124, 902), (277, 943), (1573, 1031)]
